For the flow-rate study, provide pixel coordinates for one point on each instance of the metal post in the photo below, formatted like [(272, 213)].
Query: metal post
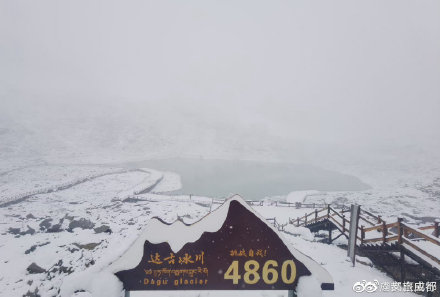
[(436, 230), (305, 219), (297, 222), (352, 234), (316, 214)]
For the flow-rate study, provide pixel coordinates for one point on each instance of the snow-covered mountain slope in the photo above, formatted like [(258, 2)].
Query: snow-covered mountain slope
[(85, 228)]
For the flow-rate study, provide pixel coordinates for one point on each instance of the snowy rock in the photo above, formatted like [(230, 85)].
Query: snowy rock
[(55, 228), (45, 224), (30, 216), (60, 268), (70, 218), (17, 231), (81, 223), (82, 294), (29, 231), (72, 250), (34, 269), (32, 294), (102, 229), (31, 249), (87, 246), (34, 247)]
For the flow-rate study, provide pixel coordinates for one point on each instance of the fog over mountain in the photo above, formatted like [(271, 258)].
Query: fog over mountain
[(302, 81)]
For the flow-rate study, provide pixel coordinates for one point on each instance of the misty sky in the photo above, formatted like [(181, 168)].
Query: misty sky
[(235, 74)]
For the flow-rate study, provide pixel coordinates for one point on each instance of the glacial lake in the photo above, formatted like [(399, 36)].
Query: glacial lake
[(251, 179)]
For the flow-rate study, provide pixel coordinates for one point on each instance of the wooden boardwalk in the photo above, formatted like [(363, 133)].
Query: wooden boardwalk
[(388, 245)]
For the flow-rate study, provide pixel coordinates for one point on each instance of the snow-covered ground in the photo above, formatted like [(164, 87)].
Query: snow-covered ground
[(18, 183), (417, 203), (85, 226)]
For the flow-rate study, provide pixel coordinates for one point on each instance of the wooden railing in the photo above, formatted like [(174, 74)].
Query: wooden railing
[(383, 228), (403, 235), (406, 231), (390, 232), (276, 224), (397, 232), (344, 208), (309, 218), (435, 227), (393, 232), (330, 211), (299, 205)]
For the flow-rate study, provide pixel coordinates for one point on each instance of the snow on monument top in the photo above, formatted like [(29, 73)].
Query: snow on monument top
[(178, 234)]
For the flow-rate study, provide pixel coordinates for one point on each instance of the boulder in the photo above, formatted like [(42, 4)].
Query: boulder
[(102, 229), (35, 269), (81, 223)]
